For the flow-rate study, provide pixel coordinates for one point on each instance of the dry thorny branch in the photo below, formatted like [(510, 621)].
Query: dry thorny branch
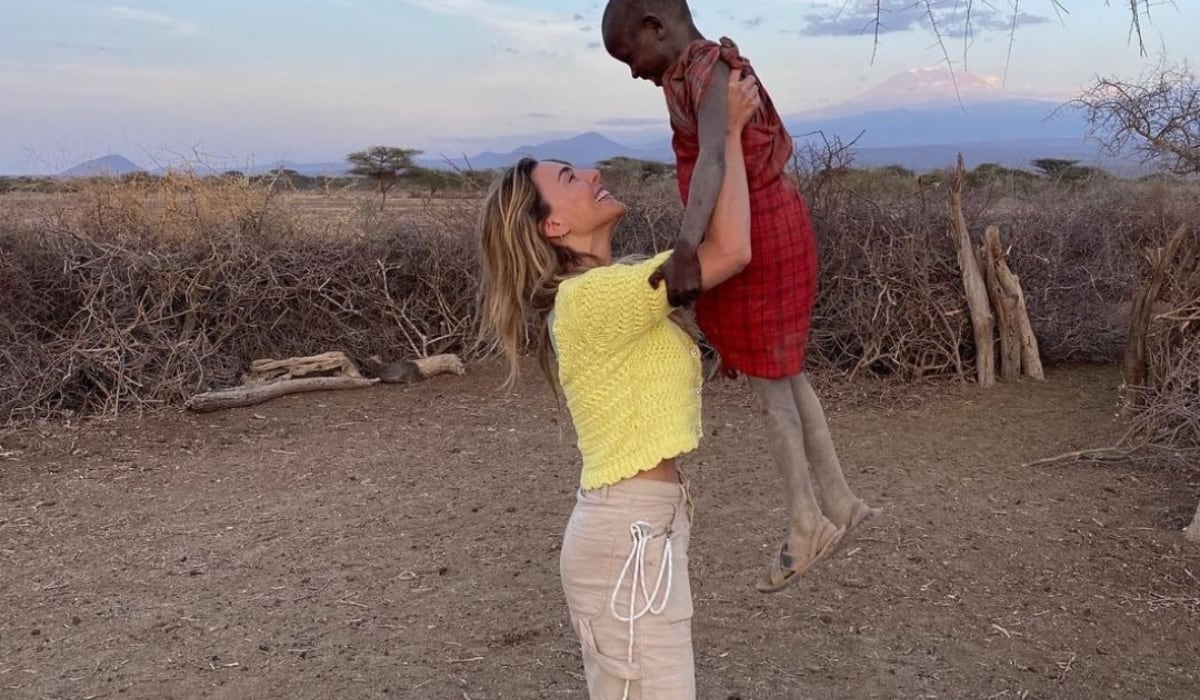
[(1165, 426), (962, 16), (126, 297), (1157, 115), (126, 306)]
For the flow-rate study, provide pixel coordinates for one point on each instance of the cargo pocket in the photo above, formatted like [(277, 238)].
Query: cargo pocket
[(604, 641), (679, 606)]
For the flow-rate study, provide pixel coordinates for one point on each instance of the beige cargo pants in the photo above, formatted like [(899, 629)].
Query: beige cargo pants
[(624, 568)]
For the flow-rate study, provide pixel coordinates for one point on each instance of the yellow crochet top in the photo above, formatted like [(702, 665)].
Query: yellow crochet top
[(631, 376)]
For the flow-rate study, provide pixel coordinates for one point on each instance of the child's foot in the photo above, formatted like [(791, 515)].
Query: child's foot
[(790, 565), (860, 514)]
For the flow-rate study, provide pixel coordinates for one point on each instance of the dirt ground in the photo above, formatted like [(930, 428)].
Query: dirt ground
[(402, 542)]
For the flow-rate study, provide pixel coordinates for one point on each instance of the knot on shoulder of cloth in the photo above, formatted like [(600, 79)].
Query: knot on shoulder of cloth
[(730, 54)]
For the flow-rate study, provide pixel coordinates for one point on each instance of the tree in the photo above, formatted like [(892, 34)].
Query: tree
[(1156, 116), (987, 174), (384, 165), (1066, 171), (1054, 168), (641, 169), (432, 181)]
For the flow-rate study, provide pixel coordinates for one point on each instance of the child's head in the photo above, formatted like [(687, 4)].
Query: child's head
[(648, 35)]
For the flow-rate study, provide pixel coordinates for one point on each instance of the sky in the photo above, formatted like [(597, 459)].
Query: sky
[(236, 82)]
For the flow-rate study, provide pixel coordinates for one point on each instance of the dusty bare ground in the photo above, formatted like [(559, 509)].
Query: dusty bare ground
[(402, 542)]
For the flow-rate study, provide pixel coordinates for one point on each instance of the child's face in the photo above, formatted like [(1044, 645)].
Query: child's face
[(642, 48)]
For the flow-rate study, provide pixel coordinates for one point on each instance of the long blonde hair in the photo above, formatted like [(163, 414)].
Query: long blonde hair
[(521, 270)]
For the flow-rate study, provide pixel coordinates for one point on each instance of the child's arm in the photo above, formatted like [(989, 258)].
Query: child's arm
[(681, 272), (725, 250)]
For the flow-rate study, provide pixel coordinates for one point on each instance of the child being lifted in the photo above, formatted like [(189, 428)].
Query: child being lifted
[(758, 320)]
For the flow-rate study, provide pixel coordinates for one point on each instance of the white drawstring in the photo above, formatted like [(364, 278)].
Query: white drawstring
[(642, 534)]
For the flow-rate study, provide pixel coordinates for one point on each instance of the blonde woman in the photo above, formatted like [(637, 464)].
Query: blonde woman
[(631, 379)]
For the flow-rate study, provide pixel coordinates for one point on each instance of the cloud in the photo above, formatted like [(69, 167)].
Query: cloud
[(856, 17), (272, 111), (539, 115), (523, 26), (173, 24)]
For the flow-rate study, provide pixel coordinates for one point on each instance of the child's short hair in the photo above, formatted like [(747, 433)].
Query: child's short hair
[(623, 14)]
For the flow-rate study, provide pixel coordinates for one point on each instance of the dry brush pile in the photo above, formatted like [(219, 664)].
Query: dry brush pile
[(129, 296), (127, 299), (1166, 422), (892, 296)]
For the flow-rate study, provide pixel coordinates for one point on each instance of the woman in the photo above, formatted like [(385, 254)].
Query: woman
[(631, 378)]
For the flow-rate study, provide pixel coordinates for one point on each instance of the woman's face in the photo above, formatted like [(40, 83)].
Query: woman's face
[(579, 204)]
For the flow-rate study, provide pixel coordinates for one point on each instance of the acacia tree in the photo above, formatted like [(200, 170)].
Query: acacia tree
[(1156, 116), (433, 181), (638, 168), (384, 165)]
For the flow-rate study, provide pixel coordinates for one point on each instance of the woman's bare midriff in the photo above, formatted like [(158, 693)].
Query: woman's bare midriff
[(665, 471)]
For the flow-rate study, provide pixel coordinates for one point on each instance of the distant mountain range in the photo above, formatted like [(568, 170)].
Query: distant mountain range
[(107, 166), (919, 119)]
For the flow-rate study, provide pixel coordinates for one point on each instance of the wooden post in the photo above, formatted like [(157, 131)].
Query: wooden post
[(1030, 358), (1004, 306), (1134, 366), (977, 296), (1193, 532)]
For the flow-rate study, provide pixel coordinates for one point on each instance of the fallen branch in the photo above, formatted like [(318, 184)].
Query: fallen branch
[(439, 364), (271, 379), (1101, 454), (252, 394), (296, 367), (408, 371)]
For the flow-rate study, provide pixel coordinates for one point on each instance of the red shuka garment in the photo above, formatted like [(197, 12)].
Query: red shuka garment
[(758, 320)]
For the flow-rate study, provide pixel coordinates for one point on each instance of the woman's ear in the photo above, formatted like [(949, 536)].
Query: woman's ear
[(554, 228)]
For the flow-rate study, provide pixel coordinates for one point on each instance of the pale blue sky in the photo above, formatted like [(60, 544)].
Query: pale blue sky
[(308, 80)]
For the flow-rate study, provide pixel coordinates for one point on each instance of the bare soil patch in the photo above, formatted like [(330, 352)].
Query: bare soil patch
[(402, 542)]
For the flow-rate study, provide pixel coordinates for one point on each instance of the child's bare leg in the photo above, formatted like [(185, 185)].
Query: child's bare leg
[(838, 502), (811, 535)]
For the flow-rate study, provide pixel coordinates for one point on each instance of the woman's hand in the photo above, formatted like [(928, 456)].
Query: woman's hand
[(744, 100)]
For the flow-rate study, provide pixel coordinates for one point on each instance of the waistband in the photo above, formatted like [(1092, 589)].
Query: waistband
[(643, 490)]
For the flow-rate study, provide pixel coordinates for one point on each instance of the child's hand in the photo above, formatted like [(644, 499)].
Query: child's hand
[(743, 100), (681, 272)]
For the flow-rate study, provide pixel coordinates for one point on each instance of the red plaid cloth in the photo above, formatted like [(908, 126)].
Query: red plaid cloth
[(758, 320)]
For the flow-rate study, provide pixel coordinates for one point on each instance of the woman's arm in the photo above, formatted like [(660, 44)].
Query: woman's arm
[(725, 250)]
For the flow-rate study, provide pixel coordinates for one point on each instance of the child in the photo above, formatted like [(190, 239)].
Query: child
[(758, 321)]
